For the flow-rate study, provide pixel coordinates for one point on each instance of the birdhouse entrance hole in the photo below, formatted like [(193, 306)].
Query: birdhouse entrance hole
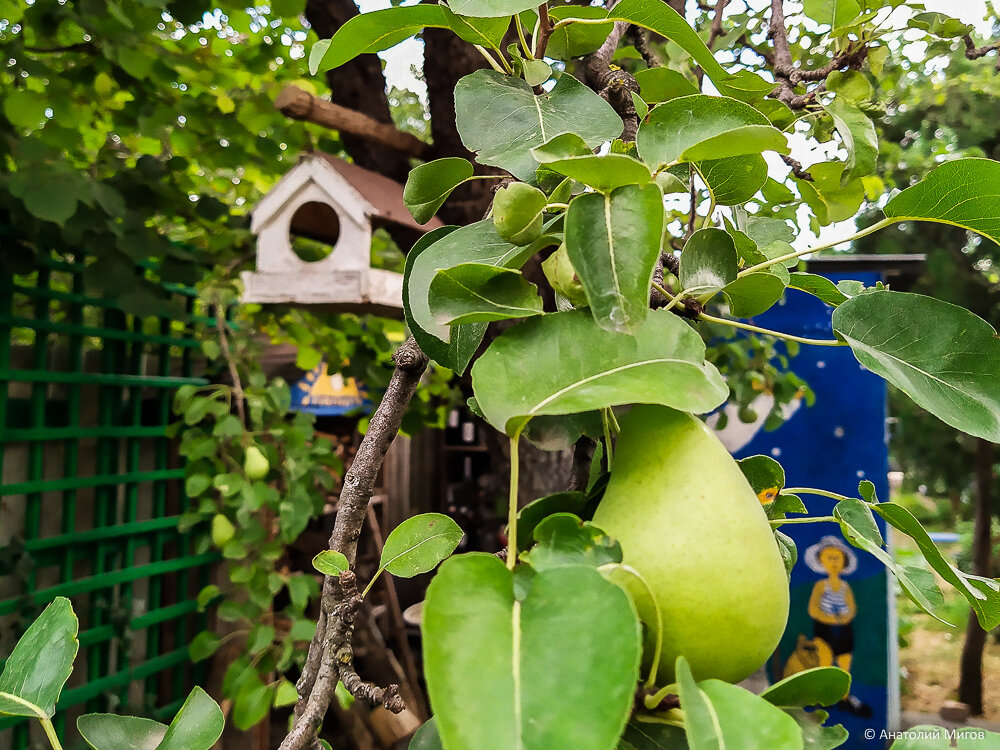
[(313, 231)]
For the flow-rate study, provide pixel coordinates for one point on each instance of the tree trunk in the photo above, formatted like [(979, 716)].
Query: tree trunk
[(970, 686)]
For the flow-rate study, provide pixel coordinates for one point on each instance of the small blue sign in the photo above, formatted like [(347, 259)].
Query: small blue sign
[(842, 611), (318, 392)]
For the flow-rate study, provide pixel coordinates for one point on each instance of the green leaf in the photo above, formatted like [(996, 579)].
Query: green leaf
[(857, 132), (419, 543), (604, 173), (664, 20), (964, 193), (252, 704), (833, 13), (818, 286), (478, 293), (613, 242), (30, 685), (822, 686), (429, 185), (983, 594), (501, 119), (815, 736), (25, 109), (196, 726), (829, 197), (918, 584), (736, 180), (427, 737), (538, 510), (940, 25), (330, 562), (789, 552), (504, 673), (942, 356), (850, 85), (491, 8), (373, 32), (112, 732), (645, 735), (576, 39), (753, 294), (708, 263), (285, 694), (203, 645), (563, 539), (562, 363), (486, 32), (765, 476), (700, 127), (517, 213), (661, 84), (435, 250)]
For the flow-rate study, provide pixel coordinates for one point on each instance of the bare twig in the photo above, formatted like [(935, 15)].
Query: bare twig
[(330, 656), (640, 40), (227, 354), (613, 84), (544, 31), (797, 169), (973, 52), (717, 29)]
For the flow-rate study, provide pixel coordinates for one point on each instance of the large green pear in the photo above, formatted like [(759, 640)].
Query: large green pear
[(690, 524)]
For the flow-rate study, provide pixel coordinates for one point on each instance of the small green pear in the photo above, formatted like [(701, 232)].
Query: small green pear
[(690, 524), (222, 530), (517, 213), (559, 271), (255, 463)]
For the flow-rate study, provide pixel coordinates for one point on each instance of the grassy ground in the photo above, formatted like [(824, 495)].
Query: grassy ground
[(929, 650)]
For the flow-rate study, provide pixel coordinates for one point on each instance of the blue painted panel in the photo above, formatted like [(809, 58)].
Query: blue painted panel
[(832, 446), (320, 393)]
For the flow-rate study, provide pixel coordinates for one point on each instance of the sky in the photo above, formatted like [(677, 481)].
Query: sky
[(403, 61)]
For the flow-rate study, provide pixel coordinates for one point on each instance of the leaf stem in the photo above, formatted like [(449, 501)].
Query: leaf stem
[(811, 491), (799, 253), (768, 332), (512, 506), (814, 519), (50, 732), (563, 206), (673, 299), (493, 63), (520, 36), (607, 439)]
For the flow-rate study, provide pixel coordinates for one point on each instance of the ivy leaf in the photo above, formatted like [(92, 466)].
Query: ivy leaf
[(493, 676), (501, 119), (822, 686), (753, 294), (708, 263), (29, 685), (429, 185), (562, 363), (197, 726), (942, 356), (563, 539), (964, 192), (700, 127), (818, 286), (330, 562), (113, 732), (613, 241), (983, 594), (857, 132), (418, 544), (479, 292)]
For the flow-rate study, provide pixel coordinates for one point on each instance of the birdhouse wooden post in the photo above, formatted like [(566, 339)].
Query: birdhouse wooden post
[(330, 201)]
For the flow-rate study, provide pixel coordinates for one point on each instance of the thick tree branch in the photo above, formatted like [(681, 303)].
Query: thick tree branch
[(613, 84), (973, 52), (583, 454), (338, 606)]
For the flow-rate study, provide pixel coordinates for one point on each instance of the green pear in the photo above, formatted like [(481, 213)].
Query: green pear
[(222, 530), (255, 463), (517, 213), (690, 524)]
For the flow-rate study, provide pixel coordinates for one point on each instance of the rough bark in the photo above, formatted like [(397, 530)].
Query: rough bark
[(970, 687)]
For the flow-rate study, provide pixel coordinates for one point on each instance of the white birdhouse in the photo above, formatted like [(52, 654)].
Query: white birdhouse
[(329, 202)]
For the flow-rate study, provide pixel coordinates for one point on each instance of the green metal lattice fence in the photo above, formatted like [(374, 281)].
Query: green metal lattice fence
[(90, 490)]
